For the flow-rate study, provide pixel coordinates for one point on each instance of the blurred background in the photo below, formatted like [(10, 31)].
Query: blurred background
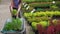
[(35, 12), (4, 12)]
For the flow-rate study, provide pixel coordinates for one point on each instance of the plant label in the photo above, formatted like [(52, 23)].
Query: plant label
[(23, 3), (53, 2), (32, 10), (27, 7)]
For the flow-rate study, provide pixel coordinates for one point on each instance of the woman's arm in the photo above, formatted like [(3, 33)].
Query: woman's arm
[(19, 8), (11, 6), (11, 3), (19, 5)]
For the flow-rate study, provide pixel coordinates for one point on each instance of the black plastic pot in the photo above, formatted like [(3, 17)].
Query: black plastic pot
[(23, 31), (56, 17)]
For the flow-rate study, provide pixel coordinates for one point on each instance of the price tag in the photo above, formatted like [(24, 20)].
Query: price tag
[(33, 11), (23, 3), (27, 7), (53, 2)]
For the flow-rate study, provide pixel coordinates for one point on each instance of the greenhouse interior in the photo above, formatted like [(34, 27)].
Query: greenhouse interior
[(29, 16)]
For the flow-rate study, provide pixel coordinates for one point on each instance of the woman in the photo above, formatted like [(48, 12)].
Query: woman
[(15, 4)]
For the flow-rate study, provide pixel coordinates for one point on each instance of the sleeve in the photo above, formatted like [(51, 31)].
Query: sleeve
[(12, 3)]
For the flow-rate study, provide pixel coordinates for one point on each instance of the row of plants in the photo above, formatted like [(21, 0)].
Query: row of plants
[(29, 1), (43, 19), (42, 13), (40, 16), (40, 7), (43, 4), (52, 27), (33, 21)]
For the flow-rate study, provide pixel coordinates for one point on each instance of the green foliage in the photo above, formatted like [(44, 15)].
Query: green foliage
[(42, 23), (14, 25), (56, 0), (34, 25), (41, 14), (28, 1), (54, 6), (41, 18), (38, 5), (44, 0), (14, 12), (37, 1)]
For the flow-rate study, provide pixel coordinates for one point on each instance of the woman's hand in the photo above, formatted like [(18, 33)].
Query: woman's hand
[(11, 9), (17, 15)]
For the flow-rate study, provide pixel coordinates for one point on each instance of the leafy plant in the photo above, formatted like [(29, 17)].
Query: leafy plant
[(34, 25), (44, 0), (37, 0), (54, 6), (28, 1), (14, 25), (42, 14), (42, 23), (38, 5), (14, 12)]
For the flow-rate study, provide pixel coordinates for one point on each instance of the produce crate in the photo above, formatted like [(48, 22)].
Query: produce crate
[(23, 31)]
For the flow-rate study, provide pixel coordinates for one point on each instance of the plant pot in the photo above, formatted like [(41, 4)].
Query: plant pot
[(23, 31), (56, 17)]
